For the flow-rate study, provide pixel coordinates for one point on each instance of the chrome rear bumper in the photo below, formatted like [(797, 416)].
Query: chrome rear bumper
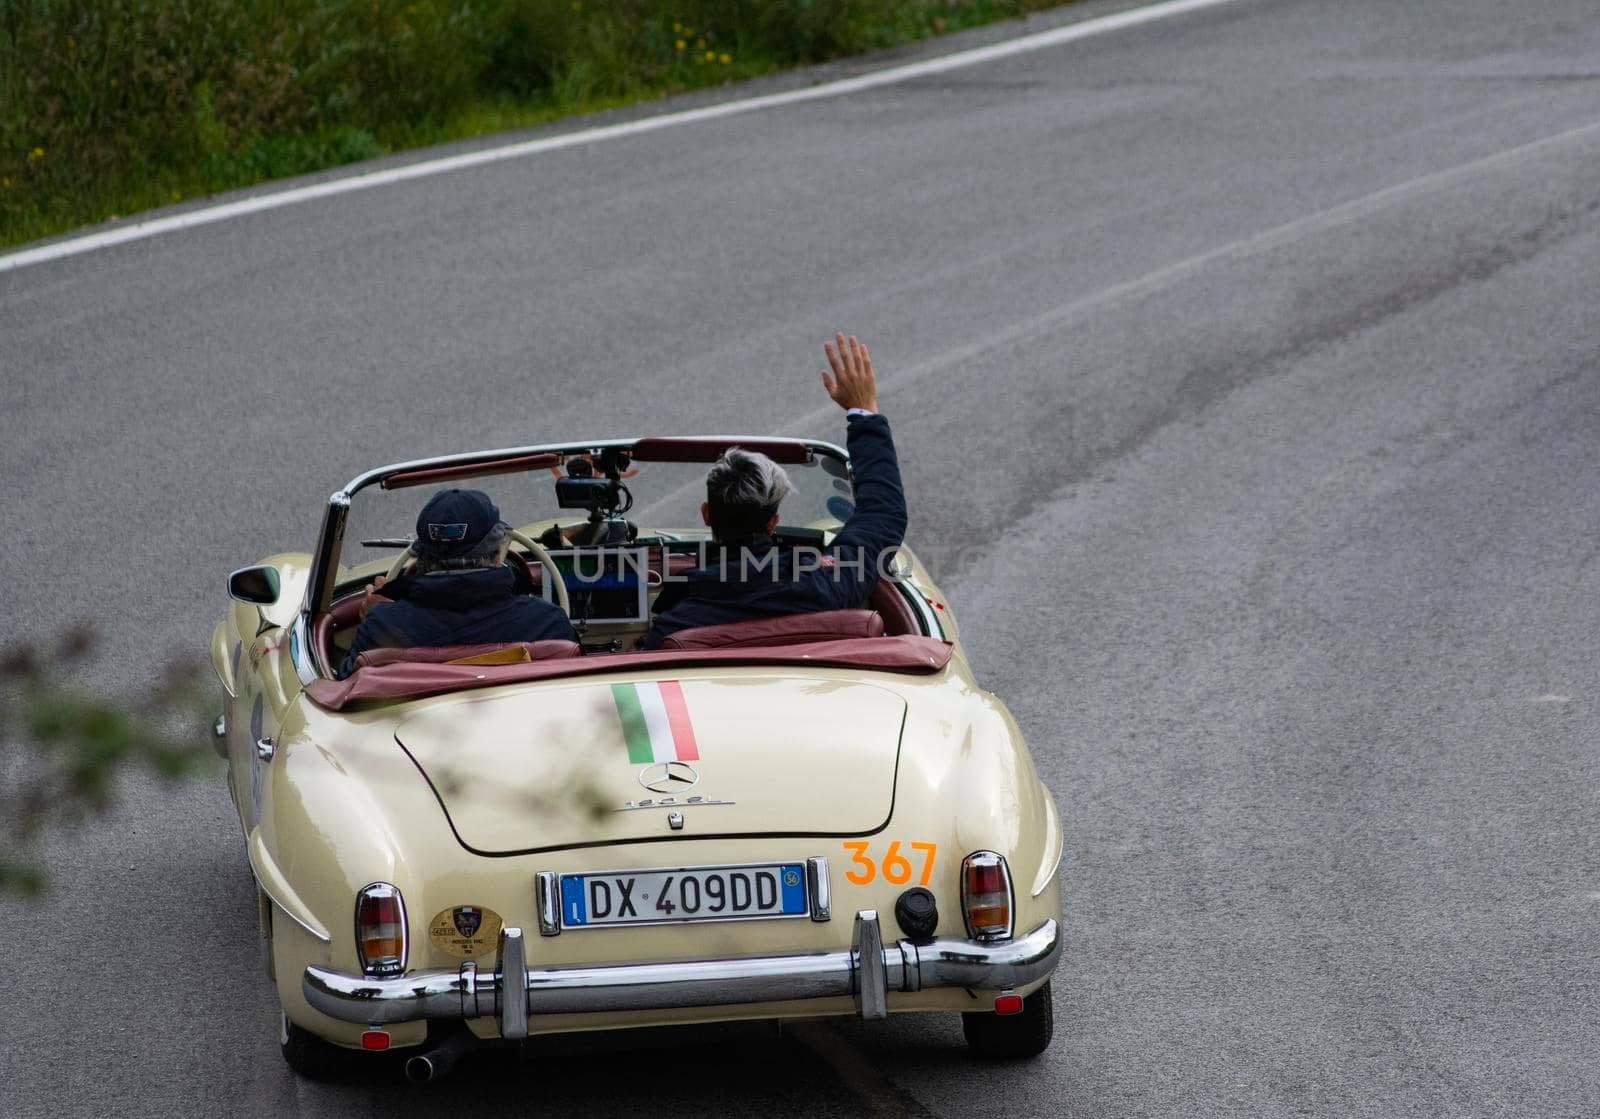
[(867, 971)]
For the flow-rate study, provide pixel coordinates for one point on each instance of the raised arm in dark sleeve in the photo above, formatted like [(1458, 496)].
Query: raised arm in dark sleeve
[(878, 525)]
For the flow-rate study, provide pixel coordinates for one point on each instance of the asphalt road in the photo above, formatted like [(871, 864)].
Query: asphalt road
[(1256, 351)]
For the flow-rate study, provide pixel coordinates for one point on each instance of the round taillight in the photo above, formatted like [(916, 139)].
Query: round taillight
[(381, 929), (986, 895)]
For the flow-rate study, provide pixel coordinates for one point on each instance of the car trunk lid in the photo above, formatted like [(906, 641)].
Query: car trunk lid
[(608, 762)]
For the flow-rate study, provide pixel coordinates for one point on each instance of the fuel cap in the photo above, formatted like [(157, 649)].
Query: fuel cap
[(917, 913)]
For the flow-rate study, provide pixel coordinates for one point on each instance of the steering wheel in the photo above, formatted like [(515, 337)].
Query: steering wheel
[(557, 583), (535, 549)]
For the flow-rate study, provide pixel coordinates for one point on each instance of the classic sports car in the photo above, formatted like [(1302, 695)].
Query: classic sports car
[(803, 816)]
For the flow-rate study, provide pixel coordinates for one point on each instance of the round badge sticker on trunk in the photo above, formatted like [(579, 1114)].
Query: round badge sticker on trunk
[(465, 932)]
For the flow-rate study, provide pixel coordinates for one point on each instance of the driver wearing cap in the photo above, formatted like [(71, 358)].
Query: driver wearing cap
[(460, 591)]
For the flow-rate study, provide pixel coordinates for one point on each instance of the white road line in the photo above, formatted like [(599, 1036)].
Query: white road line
[(207, 215)]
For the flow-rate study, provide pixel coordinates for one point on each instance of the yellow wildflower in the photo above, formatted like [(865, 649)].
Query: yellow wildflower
[(725, 59), (72, 44), (711, 56), (177, 197), (677, 28), (5, 184), (701, 43), (113, 83), (35, 155), (682, 44)]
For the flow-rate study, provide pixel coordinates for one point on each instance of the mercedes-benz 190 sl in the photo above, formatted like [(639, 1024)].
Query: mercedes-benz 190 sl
[(803, 816)]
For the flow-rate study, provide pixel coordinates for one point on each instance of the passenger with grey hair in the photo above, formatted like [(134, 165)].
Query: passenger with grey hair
[(459, 591), (752, 577)]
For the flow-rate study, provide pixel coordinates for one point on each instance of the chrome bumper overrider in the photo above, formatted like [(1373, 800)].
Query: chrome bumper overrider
[(868, 971)]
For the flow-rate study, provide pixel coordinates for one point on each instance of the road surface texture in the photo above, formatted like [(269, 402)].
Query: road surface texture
[(1258, 352)]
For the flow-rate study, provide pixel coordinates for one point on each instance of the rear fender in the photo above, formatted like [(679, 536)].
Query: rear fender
[(325, 833), (966, 773)]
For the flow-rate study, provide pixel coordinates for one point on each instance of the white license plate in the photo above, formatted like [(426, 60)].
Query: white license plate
[(696, 893)]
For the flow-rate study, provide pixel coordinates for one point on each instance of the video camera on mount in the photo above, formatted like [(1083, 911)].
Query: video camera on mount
[(602, 495)]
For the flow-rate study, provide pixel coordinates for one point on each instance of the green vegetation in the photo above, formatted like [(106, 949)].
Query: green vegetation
[(112, 106), (63, 749)]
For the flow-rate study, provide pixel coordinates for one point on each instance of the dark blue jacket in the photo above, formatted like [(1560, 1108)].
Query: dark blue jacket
[(479, 607), (726, 590)]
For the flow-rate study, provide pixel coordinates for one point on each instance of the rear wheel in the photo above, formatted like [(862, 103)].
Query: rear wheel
[(1012, 1036), (309, 1055)]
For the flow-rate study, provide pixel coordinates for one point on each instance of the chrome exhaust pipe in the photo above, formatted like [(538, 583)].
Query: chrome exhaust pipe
[(420, 1070), (439, 1060), (423, 1068)]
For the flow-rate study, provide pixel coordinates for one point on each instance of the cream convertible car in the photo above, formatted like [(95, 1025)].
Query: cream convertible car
[(794, 817)]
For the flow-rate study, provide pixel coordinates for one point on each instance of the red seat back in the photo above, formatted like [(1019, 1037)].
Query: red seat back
[(891, 605), (787, 629), (444, 654)]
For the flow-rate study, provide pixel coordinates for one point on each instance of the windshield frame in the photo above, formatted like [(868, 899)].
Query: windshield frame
[(323, 580)]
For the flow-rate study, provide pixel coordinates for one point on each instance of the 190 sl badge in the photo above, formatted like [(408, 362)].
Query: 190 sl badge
[(465, 931)]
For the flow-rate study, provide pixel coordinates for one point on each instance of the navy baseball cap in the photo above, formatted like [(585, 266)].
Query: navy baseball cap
[(454, 522)]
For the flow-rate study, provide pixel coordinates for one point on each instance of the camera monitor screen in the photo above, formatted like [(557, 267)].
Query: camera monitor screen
[(604, 584)]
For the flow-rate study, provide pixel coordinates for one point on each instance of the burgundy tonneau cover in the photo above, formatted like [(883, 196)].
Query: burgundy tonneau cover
[(410, 679)]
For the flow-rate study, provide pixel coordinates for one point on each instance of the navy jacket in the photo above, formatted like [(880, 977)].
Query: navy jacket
[(726, 590), (480, 607)]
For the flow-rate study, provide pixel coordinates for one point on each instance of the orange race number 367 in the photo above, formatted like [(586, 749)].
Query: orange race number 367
[(895, 867)]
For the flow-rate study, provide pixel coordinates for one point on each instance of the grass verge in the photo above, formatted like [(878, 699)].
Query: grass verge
[(108, 107)]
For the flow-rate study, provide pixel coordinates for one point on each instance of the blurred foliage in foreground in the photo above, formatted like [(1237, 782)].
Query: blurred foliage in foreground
[(109, 106), (63, 749)]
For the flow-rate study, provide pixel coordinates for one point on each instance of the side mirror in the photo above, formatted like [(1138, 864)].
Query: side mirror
[(258, 586)]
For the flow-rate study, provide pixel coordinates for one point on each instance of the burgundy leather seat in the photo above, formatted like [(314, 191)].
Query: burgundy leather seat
[(446, 654), (892, 607), (789, 629)]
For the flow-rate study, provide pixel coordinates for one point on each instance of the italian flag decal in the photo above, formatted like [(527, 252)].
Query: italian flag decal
[(655, 721)]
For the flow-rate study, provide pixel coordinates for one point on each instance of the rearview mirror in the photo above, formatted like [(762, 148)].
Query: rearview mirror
[(256, 585)]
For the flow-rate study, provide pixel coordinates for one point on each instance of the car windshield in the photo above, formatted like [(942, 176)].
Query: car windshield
[(665, 501)]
